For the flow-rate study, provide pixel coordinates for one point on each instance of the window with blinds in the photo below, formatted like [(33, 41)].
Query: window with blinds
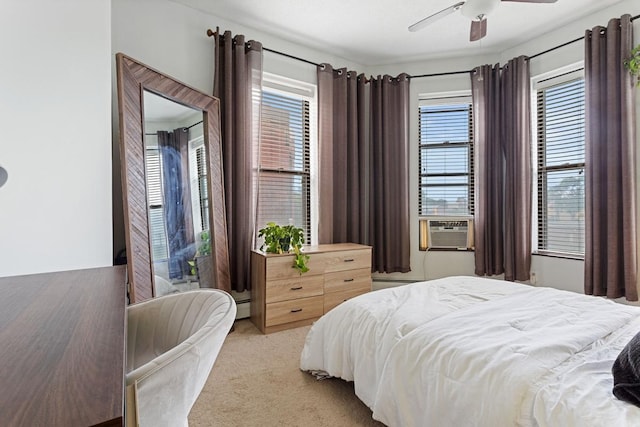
[(446, 157), (158, 237), (203, 194), (560, 161), (284, 194)]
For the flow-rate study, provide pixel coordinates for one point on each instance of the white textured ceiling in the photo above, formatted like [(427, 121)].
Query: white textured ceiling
[(374, 32)]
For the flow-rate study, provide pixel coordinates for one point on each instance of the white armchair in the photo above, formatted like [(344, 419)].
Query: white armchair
[(172, 343)]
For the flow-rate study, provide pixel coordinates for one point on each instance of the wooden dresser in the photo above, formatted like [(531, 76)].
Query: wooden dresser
[(282, 298)]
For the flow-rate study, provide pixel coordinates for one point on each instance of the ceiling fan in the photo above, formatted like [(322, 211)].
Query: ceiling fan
[(476, 10)]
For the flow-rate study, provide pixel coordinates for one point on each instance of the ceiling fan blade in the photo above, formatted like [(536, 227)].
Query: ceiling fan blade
[(432, 18), (533, 1), (478, 30)]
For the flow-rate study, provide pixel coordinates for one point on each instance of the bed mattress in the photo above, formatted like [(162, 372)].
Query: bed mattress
[(475, 351)]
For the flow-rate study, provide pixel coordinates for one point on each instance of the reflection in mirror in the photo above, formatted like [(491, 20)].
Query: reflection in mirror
[(177, 198), (134, 80)]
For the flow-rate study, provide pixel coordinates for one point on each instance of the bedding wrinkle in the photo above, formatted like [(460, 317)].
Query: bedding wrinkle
[(585, 382), (468, 351), (479, 347), (371, 324)]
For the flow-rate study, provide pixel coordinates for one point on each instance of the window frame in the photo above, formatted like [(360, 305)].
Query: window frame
[(307, 93), (542, 82), (158, 242), (447, 98)]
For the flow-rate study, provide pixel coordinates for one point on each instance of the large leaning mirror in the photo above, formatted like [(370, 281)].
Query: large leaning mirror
[(173, 192)]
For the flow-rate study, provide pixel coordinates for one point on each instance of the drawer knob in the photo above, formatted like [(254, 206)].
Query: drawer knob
[(296, 288), (296, 310), (348, 280), (349, 260)]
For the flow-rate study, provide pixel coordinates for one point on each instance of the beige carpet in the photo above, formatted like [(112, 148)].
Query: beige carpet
[(256, 381)]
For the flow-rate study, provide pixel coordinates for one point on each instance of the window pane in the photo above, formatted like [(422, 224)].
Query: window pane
[(284, 185), (158, 237), (158, 234), (439, 160), (444, 123), (565, 211), (284, 129), (203, 193), (445, 200), (446, 159), (282, 199), (561, 122)]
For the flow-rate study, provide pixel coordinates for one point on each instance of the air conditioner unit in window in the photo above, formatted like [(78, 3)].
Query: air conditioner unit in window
[(446, 234)]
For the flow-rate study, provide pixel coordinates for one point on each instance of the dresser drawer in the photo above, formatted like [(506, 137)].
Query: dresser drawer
[(346, 260), (340, 280), (281, 267), (282, 298), (278, 313), (333, 299), (297, 287)]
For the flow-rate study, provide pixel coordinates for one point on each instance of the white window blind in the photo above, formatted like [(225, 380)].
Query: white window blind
[(203, 194), (198, 186), (284, 194), (159, 243), (561, 162), (446, 158)]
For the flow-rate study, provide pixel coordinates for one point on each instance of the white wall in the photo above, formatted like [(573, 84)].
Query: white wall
[(55, 94)]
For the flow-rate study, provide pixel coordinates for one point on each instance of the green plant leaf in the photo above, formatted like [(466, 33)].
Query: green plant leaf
[(282, 239), (632, 64)]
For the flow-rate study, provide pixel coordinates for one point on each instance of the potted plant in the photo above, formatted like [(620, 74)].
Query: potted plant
[(633, 64), (202, 264), (285, 239)]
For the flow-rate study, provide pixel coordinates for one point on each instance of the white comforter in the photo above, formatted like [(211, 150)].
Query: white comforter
[(466, 351)]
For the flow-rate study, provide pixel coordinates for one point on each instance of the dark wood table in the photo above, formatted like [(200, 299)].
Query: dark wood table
[(62, 348)]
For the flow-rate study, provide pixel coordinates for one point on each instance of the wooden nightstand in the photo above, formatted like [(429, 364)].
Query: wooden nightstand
[(281, 298)]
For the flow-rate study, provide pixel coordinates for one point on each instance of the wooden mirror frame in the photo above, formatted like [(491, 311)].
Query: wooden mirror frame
[(133, 78)]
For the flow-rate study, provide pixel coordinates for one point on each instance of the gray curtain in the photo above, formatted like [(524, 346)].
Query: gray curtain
[(178, 217), (344, 157), (502, 132), (237, 83), (390, 236), (610, 190), (363, 164), (488, 171), (516, 145)]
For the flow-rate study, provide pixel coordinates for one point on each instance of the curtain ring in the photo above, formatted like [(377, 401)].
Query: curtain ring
[(322, 66), (248, 45), (340, 72)]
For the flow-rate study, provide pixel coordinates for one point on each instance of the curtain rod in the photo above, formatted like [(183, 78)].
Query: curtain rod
[(529, 58), (212, 33), (449, 73), (185, 128)]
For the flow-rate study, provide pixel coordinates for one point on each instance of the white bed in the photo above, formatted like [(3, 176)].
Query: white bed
[(466, 351)]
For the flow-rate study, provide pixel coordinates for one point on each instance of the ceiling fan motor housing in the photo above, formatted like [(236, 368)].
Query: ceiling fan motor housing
[(478, 9)]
